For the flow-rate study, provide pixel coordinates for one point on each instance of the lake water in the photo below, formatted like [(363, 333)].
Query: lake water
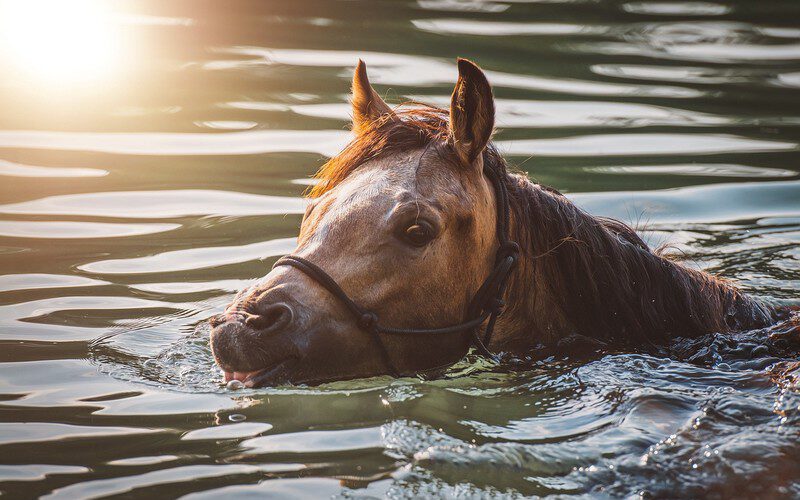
[(152, 161)]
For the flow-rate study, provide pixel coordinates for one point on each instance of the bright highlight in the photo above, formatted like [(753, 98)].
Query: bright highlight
[(59, 41)]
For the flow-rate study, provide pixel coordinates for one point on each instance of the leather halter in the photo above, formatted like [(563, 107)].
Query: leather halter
[(487, 303)]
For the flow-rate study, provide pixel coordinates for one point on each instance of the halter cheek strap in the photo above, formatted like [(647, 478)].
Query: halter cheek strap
[(487, 304)]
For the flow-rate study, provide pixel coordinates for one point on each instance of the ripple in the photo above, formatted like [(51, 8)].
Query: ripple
[(697, 169), (488, 28), (581, 418), (19, 170), (186, 474), (151, 20), (227, 125), (9, 282), (257, 106), (135, 461), (324, 142), (586, 87), (319, 487), (70, 230), (692, 74), (159, 204), (789, 80), (138, 111), (711, 42), (37, 472), (641, 144), (193, 258), (677, 8), (33, 432), (519, 113), (568, 114), (698, 204), (229, 431), (24, 315), (736, 53), (464, 5), (316, 441), (183, 287), (80, 386)]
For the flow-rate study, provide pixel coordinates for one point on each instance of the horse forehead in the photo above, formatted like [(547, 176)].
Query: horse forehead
[(385, 182), (373, 192), (374, 184)]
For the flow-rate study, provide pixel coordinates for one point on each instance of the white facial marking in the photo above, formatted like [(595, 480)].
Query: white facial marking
[(386, 178)]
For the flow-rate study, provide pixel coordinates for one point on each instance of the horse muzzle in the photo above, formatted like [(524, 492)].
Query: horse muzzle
[(250, 344)]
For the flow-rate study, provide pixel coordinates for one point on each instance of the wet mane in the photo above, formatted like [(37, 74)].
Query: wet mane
[(591, 275), (606, 283)]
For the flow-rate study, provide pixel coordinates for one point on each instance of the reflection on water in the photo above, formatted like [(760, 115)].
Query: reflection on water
[(153, 156)]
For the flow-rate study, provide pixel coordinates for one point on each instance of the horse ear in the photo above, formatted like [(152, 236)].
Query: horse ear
[(367, 104), (471, 112)]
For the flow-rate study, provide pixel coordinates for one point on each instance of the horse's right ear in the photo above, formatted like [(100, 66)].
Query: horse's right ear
[(367, 104), (471, 112)]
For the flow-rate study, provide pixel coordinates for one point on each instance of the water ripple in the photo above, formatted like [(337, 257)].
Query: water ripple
[(677, 8), (533, 114), (193, 258), (325, 142), (72, 230), (702, 41), (159, 204), (642, 144), (19, 170), (487, 28), (698, 204)]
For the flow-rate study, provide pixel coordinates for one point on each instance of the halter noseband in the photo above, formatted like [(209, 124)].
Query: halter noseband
[(486, 304)]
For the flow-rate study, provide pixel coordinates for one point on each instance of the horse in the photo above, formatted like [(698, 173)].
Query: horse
[(420, 242)]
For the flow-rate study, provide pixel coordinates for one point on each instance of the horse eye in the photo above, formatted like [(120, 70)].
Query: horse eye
[(419, 234)]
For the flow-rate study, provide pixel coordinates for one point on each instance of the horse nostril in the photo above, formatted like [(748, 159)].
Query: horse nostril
[(270, 319)]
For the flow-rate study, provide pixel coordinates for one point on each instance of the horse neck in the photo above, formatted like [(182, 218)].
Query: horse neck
[(595, 277)]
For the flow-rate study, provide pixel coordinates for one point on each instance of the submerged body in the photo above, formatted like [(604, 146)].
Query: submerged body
[(403, 221)]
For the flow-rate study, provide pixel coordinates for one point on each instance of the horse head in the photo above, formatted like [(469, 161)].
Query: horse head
[(403, 220)]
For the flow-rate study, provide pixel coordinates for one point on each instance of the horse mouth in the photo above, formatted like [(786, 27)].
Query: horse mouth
[(257, 378), (243, 377)]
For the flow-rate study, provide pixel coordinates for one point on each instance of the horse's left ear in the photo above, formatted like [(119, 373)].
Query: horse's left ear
[(471, 112)]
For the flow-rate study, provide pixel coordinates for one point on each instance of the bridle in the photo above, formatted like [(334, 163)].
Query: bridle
[(487, 304)]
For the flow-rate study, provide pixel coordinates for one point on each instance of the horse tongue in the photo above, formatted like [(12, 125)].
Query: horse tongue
[(242, 376)]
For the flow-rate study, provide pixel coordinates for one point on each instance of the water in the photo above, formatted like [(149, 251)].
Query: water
[(152, 158)]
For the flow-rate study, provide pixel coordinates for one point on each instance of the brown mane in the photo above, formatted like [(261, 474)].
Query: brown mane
[(417, 128), (592, 276), (608, 284)]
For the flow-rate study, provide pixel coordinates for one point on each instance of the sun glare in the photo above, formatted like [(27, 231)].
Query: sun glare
[(58, 42)]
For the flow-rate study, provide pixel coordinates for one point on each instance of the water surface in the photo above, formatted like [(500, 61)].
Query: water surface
[(152, 161)]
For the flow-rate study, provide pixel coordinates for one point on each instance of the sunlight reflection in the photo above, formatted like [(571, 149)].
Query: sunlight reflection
[(57, 42)]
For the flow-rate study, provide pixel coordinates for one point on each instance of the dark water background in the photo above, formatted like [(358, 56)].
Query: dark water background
[(135, 200)]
